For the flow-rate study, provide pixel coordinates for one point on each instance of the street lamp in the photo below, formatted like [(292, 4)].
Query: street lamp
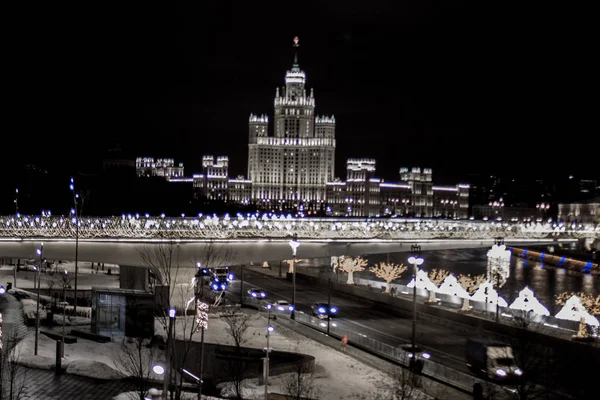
[(40, 253), (202, 324), (168, 364), (266, 361), (62, 342), (294, 245), (76, 214), (415, 259), (17, 201)]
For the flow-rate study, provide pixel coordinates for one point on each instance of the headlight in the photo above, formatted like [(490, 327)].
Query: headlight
[(291, 308), (333, 310), (426, 356), (253, 294), (280, 308), (263, 294), (518, 372), (321, 310), (500, 372)]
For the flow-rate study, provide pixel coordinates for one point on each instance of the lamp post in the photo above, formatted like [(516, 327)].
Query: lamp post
[(168, 364), (202, 324), (17, 201), (294, 245), (76, 214), (40, 253), (62, 341), (266, 361), (415, 259)]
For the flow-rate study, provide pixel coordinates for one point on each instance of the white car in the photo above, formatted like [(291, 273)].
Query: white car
[(281, 306)]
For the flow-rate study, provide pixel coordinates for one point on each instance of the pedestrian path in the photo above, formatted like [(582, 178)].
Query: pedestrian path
[(46, 385), (41, 384)]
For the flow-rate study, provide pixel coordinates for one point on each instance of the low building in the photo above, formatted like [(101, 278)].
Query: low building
[(161, 167), (582, 211)]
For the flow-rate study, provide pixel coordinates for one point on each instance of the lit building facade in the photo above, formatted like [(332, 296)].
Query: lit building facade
[(291, 168), (362, 194), (162, 167)]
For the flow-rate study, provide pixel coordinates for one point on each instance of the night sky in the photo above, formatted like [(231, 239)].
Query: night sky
[(447, 84)]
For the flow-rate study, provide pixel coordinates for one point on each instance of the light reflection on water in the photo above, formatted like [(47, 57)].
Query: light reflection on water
[(545, 281)]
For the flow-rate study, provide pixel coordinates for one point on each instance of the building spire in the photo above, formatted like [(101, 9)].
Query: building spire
[(296, 45)]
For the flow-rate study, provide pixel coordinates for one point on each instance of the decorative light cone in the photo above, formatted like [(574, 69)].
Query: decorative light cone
[(423, 281), (491, 297), (573, 310), (527, 302)]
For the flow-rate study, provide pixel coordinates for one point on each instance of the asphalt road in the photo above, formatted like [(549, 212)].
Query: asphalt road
[(445, 346)]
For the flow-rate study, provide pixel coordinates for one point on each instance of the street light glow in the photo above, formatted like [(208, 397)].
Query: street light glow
[(158, 369)]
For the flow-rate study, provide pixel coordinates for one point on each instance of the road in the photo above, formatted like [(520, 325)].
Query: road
[(446, 346)]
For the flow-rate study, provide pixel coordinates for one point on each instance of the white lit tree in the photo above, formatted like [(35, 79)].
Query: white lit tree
[(388, 272), (437, 276), (351, 265), (470, 284)]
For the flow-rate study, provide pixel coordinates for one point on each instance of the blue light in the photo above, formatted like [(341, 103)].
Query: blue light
[(71, 186), (333, 310), (253, 294), (562, 261), (524, 252), (223, 286), (215, 286), (587, 267), (230, 276), (542, 256), (321, 310)]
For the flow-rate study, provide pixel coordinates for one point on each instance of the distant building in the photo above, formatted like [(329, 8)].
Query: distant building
[(162, 167), (414, 195), (291, 168), (584, 211)]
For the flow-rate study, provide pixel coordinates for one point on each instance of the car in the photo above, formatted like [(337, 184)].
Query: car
[(63, 304), (257, 293), (323, 310), (281, 306)]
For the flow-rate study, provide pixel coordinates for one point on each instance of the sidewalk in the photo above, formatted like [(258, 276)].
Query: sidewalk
[(44, 384)]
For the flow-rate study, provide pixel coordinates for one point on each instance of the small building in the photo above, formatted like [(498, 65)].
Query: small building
[(128, 312)]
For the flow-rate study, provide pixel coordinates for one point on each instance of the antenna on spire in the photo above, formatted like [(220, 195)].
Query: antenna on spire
[(296, 45)]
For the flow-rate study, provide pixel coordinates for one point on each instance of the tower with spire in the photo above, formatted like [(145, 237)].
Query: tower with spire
[(290, 169)]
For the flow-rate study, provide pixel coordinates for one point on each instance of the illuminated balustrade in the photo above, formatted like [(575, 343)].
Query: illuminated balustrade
[(276, 226)]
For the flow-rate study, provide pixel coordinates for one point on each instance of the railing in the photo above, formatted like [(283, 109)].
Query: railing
[(280, 227)]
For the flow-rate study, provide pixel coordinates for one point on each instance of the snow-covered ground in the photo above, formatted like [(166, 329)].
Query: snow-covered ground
[(337, 376)]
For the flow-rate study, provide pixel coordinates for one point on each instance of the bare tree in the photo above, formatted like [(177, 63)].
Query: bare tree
[(237, 324), (13, 377), (404, 385), (437, 276), (470, 284), (135, 359), (175, 289), (300, 384), (388, 272), (535, 359), (351, 265)]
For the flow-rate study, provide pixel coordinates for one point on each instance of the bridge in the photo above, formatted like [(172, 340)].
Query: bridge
[(254, 237)]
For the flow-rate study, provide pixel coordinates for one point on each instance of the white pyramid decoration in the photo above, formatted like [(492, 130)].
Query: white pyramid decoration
[(423, 282), (451, 287), (528, 302), (492, 295), (573, 310)]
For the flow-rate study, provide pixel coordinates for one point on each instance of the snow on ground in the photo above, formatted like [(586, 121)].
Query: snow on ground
[(337, 376)]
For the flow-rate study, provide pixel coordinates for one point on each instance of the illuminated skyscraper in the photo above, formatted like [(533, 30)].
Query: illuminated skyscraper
[(291, 168)]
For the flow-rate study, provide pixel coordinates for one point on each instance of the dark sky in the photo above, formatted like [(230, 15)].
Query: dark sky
[(442, 84)]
